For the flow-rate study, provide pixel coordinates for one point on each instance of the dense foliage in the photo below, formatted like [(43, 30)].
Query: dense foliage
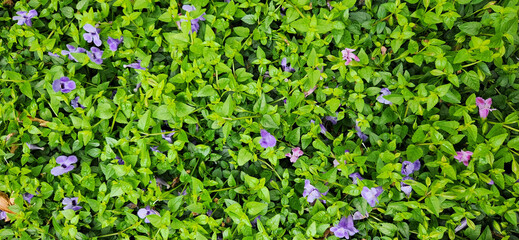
[(249, 119)]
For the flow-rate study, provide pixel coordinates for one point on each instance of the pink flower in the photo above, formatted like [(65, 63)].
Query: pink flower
[(296, 153), (464, 157), (348, 55), (484, 106)]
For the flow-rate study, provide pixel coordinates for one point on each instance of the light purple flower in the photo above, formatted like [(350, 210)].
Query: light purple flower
[(405, 187), (381, 99), (95, 55), (120, 161), (161, 182), (463, 156), (71, 203), (356, 177), (65, 165), (64, 85), (359, 216), (254, 222), (267, 140), (72, 49), (155, 149), (323, 129), (136, 65), (463, 224), (92, 34), (348, 55), (285, 67), (371, 195), (34, 147), (209, 213), (332, 119), (137, 87), (3, 215), (52, 54), (491, 182), (27, 197), (25, 17), (195, 25), (409, 168), (484, 106), (168, 137), (360, 134), (310, 91), (144, 212), (311, 192), (75, 103), (183, 193), (113, 43), (296, 153), (345, 228)]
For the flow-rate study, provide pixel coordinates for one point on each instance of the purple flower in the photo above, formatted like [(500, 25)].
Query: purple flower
[(345, 228), (484, 106), (3, 215), (168, 136), (34, 147), (27, 197), (137, 87), (120, 161), (296, 153), (463, 156), (371, 195), (95, 55), (195, 25), (183, 193), (25, 17), (209, 213), (310, 91), (356, 177), (155, 149), (254, 222), (75, 103), (332, 119), (71, 203), (72, 49), (359, 216), (491, 182), (144, 212), (113, 43), (311, 192), (64, 85), (463, 224), (52, 54), (267, 140), (360, 134), (161, 182), (381, 99), (65, 165), (136, 65), (405, 187), (409, 168), (92, 34), (285, 67), (323, 129), (348, 55)]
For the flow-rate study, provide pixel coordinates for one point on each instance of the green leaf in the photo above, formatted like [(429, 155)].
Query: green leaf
[(162, 113), (104, 111), (470, 28), (183, 110), (514, 143), (387, 229), (244, 156), (433, 205), (414, 153), (25, 88), (462, 56), (471, 79), (254, 208)]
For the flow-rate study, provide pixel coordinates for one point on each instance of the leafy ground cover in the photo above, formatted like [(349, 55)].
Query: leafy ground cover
[(248, 119)]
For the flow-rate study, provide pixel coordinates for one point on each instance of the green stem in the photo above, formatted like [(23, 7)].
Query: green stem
[(274, 170), (117, 233)]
